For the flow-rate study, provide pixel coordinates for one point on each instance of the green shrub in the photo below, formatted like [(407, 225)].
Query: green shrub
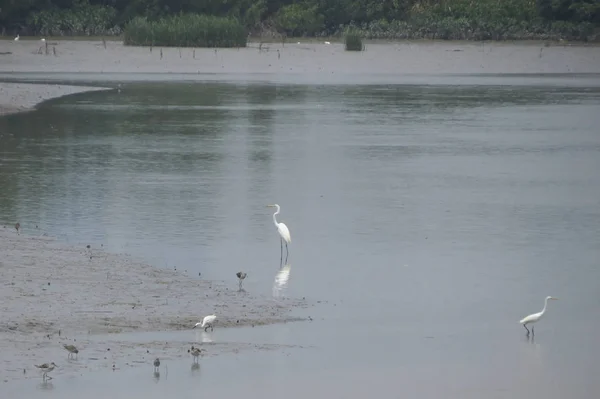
[(186, 30), (299, 20), (82, 20), (353, 40)]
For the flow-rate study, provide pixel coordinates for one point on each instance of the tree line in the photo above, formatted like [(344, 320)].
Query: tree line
[(442, 19)]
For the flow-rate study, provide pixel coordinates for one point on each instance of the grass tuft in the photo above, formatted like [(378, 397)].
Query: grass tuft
[(353, 40), (186, 30)]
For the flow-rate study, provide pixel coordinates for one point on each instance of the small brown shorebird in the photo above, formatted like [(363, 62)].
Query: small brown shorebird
[(241, 276), (195, 352), (18, 226), (156, 364), (45, 369), (72, 350)]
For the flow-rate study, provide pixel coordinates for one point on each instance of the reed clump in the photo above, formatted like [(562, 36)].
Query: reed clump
[(353, 40), (186, 30)]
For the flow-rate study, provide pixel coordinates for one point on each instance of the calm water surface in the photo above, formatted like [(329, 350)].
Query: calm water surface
[(431, 218)]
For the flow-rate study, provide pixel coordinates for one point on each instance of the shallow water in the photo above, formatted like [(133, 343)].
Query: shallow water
[(430, 218)]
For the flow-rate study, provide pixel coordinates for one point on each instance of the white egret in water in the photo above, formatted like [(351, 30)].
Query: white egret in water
[(208, 321), (534, 318), (283, 231), (17, 38)]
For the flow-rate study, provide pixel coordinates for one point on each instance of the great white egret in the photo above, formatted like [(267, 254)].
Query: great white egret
[(283, 231), (241, 276), (72, 350), (534, 318), (45, 369), (17, 38), (208, 321)]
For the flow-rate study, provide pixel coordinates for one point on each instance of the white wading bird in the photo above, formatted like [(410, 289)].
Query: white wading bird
[(208, 321), (534, 318), (283, 231)]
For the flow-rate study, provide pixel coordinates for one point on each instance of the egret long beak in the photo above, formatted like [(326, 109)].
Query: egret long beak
[(270, 206), (556, 299), (193, 327)]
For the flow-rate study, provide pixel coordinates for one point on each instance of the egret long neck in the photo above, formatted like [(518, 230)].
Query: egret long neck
[(275, 216), (545, 305)]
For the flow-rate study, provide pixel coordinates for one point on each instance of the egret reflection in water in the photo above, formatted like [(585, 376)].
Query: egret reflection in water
[(281, 280), (204, 337)]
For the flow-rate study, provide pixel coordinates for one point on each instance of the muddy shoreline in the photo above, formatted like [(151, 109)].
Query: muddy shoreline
[(305, 57), (54, 294)]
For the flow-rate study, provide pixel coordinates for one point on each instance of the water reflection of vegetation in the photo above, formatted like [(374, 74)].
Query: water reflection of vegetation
[(82, 139)]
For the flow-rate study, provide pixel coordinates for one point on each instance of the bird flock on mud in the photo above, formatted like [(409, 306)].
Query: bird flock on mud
[(207, 322)]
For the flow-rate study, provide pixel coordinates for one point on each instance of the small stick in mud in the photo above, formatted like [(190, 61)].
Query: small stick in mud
[(18, 226)]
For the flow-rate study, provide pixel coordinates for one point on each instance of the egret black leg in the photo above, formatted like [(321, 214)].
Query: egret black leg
[(286, 253), (527, 329), (206, 329), (211, 328), (281, 253), (532, 331)]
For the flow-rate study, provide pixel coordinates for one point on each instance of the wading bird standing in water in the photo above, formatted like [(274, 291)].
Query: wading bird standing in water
[(72, 350), (45, 369), (241, 276), (195, 352), (534, 318), (18, 226), (283, 231), (156, 364), (208, 321)]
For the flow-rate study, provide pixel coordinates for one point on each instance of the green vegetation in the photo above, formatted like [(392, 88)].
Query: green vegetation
[(353, 40), (186, 30), (391, 19)]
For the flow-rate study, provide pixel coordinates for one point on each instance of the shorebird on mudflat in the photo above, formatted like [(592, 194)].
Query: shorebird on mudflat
[(195, 352), (45, 369), (72, 350), (156, 364), (241, 276)]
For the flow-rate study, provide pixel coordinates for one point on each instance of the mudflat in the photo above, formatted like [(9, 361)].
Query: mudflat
[(54, 294)]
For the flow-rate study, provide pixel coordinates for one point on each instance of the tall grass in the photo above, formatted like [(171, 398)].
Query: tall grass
[(353, 40), (186, 30)]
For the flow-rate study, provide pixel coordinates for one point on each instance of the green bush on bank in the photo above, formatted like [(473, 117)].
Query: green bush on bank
[(83, 20), (186, 30), (465, 29), (353, 40)]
